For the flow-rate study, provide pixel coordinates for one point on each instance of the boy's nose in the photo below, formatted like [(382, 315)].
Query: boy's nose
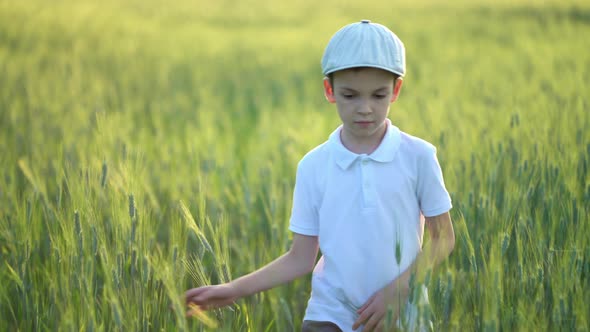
[(364, 108)]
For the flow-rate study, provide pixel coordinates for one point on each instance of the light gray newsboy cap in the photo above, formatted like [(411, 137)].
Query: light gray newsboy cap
[(364, 44)]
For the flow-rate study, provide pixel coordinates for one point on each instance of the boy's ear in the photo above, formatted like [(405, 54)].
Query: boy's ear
[(397, 86), (328, 91)]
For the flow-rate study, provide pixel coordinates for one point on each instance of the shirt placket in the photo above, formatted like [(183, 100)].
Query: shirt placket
[(367, 183)]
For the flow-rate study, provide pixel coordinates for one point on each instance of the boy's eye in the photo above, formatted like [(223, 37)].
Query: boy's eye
[(380, 96), (347, 95)]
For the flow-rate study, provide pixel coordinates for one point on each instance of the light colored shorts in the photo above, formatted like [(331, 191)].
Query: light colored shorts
[(417, 317)]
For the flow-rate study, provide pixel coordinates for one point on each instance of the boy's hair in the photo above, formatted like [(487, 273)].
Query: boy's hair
[(330, 76), (364, 44)]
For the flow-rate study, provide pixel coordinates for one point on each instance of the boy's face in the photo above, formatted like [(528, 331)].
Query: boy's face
[(362, 97)]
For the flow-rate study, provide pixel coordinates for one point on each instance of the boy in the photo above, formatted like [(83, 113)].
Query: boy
[(363, 198)]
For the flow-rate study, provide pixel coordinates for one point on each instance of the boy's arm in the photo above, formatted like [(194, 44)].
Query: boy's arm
[(442, 242), (299, 260), (440, 246)]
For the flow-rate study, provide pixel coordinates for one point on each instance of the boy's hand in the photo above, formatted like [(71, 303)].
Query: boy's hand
[(211, 297), (372, 313)]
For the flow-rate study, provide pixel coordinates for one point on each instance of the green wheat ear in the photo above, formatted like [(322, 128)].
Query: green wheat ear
[(131, 206), (78, 229), (389, 317), (77, 225), (103, 177), (398, 253)]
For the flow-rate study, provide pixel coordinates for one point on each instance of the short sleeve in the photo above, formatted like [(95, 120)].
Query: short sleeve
[(433, 197), (304, 216)]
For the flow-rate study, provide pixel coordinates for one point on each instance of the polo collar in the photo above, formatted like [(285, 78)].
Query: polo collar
[(384, 153)]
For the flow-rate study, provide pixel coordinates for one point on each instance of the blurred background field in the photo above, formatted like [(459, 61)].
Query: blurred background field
[(149, 146)]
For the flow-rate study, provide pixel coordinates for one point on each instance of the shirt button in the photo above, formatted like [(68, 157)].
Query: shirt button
[(365, 161)]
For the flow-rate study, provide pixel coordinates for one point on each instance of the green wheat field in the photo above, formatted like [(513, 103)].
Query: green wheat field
[(147, 147)]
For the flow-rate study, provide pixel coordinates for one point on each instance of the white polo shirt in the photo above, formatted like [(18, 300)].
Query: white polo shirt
[(361, 207)]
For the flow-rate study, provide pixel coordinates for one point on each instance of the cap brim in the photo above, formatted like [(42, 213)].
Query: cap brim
[(356, 65)]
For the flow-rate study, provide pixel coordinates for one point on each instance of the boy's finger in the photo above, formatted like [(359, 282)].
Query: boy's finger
[(198, 300), (193, 292), (371, 323), (369, 301), (362, 318), (379, 327)]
